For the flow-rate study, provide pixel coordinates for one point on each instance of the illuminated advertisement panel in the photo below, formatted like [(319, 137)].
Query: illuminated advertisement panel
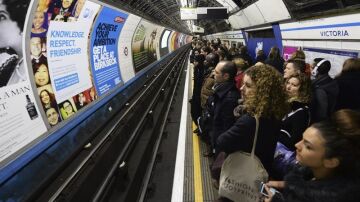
[(19, 112), (124, 47), (144, 45), (164, 42), (104, 49)]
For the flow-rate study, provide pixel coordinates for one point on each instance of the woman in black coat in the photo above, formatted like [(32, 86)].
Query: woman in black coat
[(329, 156), (275, 59), (298, 88), (260, 83)]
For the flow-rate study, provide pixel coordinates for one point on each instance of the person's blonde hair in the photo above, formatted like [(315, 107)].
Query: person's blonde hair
[(241, 64), (42, 6), (269, 98)]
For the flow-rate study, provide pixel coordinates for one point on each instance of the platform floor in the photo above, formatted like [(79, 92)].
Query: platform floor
[(198, 186), (196, 179)]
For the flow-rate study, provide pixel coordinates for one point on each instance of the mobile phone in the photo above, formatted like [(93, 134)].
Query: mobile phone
[(264, 192)]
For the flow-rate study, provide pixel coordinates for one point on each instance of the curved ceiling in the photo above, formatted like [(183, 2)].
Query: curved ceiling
[(167, 13)]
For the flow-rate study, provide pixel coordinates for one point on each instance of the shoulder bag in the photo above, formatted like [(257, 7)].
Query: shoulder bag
[(242, 174)]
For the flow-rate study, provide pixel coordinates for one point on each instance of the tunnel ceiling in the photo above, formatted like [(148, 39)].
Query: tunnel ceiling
[(308, 8), (167, 13)]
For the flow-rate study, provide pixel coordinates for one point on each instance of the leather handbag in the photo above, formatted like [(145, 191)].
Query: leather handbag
[(242, 174)]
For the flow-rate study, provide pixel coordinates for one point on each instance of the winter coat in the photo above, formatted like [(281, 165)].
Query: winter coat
[(196, 97), (222, 104), (198, 79), (241, 135), (294, 124), (207, 87), (299, 187), (349, 90), (325, 93)]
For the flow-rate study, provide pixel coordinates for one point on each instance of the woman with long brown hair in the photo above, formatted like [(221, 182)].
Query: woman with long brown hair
[(329, 156)]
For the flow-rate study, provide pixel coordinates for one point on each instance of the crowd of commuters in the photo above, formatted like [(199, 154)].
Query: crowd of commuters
[(301, 110)]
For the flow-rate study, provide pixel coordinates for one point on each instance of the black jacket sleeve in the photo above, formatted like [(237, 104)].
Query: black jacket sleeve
[(238, 136), (321, 104), (295, 126)]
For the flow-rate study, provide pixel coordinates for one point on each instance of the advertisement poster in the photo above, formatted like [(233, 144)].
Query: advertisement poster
[(181, 40), (288, 51), (164, 42), (144, 45), (59, 56), (20, 119), (335, 57), (104, 50), (88, 12), (177, 40), (18, 116), (124, 47), (173, 41), (256, 44), (158, 41), (67, 45)]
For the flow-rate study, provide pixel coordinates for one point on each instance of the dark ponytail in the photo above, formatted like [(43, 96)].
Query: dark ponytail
[(341, 133)]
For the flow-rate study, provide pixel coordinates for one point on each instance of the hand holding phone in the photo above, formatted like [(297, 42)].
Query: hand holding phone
[(264, 192)]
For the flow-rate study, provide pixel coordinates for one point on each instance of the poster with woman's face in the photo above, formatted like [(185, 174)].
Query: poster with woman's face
[(40, 24), (52, 71), (20, 119), (12, 68)]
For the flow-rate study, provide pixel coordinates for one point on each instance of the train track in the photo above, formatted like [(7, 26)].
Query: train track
[(119, 162)]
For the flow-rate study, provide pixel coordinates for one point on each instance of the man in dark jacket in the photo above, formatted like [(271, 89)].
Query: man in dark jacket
[(198, 80), (349, 85), (224, 99), (325, 92)]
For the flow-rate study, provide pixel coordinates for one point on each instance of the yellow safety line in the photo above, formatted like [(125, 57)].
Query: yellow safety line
[(198, 192), (197, 169)]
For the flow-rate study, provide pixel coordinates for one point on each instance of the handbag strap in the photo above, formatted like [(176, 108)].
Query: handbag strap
[(255, 136)]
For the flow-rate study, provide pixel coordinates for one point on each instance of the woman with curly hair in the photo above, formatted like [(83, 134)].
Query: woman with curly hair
[(298, 89), (264, 97)]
